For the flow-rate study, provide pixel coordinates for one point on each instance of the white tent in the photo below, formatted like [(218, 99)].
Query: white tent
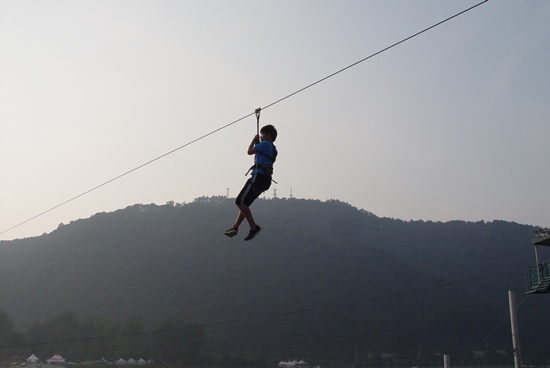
[(120, 362), (141, 362), (56, 359), (33, 359), (131, 362)]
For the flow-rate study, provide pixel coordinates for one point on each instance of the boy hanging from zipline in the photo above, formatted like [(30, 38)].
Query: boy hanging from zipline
[(265, 155)]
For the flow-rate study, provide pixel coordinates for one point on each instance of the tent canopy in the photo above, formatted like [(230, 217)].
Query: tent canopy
[(56, 359)]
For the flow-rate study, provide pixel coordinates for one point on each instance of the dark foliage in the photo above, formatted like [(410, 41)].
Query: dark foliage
[(323, 280)]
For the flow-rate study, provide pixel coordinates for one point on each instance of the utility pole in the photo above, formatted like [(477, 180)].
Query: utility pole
[(514, 325)]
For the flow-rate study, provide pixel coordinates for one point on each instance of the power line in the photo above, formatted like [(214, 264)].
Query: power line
[(242, 118), (497, 327), (273, 315)]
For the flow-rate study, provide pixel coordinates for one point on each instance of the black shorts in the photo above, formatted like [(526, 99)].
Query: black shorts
[(252, 189)]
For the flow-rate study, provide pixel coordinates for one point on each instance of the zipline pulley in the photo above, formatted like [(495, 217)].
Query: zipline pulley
[(257, 112)]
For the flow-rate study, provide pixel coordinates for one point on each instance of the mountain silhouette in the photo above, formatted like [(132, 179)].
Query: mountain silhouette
[(322, 280)]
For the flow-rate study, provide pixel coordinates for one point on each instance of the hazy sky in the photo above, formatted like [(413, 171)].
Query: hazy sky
[(452, 124)]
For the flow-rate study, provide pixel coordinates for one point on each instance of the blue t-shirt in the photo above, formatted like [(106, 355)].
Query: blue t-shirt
[(264, 148)]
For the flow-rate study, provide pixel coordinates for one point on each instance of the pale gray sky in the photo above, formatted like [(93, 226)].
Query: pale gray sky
[(449, 125)]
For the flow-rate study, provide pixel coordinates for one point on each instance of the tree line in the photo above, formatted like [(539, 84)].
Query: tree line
[(171, 340)]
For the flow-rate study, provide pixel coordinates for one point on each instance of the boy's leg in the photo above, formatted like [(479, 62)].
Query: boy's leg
[(245, 213), (247, 195), (239, 220), (243, 201)]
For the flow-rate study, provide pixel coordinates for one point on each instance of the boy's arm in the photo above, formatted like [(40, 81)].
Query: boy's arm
[(252, 147)]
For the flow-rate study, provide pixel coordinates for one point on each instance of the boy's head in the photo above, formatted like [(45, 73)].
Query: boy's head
[(269, 129)]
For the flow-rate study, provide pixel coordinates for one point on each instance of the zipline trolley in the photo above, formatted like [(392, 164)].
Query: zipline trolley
[(539, 275)]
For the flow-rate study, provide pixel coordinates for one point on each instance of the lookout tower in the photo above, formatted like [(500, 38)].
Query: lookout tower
[(539, 275)]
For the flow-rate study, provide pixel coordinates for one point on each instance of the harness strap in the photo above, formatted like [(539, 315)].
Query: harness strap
[(268, 168), (261, 168), (270, 158)]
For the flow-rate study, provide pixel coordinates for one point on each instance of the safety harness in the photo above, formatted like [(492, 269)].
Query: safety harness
[(267, 168)]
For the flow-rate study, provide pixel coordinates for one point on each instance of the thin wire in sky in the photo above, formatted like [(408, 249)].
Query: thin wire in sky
[(242, 118)]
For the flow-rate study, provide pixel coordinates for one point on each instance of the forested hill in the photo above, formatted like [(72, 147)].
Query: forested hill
[(326, 278)]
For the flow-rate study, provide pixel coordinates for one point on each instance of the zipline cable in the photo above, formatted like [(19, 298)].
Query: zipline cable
[(375, 54), (240, 119), (126, 173), (274, 315)]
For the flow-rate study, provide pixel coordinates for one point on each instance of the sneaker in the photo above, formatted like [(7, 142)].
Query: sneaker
[(252, 233), (231, 232)]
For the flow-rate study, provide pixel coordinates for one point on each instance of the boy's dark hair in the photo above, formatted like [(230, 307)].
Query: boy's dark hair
[(270, 129)]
